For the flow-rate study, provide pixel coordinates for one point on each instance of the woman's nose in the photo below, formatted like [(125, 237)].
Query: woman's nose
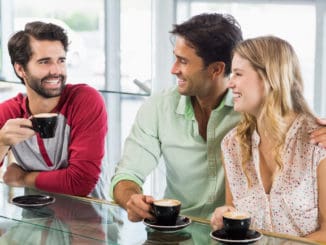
[(230, 83)]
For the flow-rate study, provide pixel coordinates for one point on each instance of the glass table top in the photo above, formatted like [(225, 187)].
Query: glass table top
[(73, 220)]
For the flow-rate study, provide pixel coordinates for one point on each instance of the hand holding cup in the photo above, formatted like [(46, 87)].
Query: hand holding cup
[(217, 216), (15, 130), (236, 224)]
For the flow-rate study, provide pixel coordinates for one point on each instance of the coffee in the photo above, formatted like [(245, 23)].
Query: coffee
[(45, 115), (167, 202), (45, 124), (236, 224), (166, 211), (235, 215)]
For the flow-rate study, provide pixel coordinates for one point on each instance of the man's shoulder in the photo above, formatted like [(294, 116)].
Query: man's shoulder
[(81, 98), (168, 92), (169, 96), (80, 88), (14, 106), (80, 93), (163, 102), (18, 99)]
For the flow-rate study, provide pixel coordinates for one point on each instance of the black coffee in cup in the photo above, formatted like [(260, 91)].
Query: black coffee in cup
[(45, 124), (236, 224), (166, 211)]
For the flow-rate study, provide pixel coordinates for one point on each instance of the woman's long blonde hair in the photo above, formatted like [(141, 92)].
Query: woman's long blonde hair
[(277, 64)]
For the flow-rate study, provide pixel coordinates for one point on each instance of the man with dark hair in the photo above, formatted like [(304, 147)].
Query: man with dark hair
[(185, 124), (70, 162)]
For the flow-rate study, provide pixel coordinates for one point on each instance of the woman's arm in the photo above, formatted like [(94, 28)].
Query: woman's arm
[(320, 234), (228, 195)]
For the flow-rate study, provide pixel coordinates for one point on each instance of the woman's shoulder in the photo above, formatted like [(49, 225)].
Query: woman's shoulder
[(306, 124), (230, 139)]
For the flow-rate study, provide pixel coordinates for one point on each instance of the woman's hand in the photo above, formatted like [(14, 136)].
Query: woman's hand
[(217, 217)]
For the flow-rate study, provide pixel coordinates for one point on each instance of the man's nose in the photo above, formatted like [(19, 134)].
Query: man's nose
[(175, 68), (55, 69)]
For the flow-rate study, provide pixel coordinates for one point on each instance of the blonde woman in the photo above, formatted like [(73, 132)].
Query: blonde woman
[(272, 170)]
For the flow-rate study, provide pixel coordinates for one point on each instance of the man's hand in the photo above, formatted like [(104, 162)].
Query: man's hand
[(129, 196), (15, 131), (139, 207), (319, 136), (14, 176)]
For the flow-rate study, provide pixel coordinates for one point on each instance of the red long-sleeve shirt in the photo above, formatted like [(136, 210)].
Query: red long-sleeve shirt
[(69, 163)]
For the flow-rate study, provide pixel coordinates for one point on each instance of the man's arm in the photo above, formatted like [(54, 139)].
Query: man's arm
[(15, 176), (319, 136), (142, 151), (13, 132), (124, 190), (129, 196), (3, 151)]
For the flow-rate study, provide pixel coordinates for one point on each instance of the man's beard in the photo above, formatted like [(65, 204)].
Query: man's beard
[(36, 84)]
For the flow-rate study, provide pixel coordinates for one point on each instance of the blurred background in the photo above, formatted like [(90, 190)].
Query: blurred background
[(123, 48)]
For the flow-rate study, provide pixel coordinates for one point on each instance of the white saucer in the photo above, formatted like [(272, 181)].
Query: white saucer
[(182, 222), (221, 236)]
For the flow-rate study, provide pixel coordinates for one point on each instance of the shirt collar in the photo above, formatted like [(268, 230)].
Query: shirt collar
[(185, 107), (24, 106), (228, 98)]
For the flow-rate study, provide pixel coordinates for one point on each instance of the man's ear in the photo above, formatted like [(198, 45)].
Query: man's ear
[(20, 70), (217, 68)]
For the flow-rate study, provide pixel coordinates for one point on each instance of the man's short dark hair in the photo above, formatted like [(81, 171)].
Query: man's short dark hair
[(19, 44), (213, 36)]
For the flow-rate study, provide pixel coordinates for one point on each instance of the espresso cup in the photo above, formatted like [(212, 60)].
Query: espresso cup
[(166, 211), (236, 224), (45, 124)]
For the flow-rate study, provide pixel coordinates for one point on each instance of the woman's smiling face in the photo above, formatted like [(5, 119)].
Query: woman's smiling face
[(247, 87)]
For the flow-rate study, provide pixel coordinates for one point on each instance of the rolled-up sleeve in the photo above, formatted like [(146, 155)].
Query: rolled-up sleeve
[(142, 148)]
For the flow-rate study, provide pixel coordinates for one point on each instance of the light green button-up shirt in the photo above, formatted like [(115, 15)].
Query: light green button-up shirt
[(166, 126)]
